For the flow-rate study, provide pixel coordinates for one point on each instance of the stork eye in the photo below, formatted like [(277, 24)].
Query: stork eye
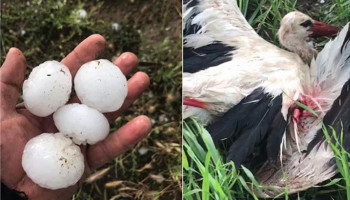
[(307, 23)]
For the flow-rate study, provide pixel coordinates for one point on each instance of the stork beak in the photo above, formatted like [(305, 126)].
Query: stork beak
[(323, 29)]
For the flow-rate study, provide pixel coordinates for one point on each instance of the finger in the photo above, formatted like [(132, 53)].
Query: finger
[(118, 142), (86, 51), (12, 74), (127, 62), (137, 84), (33, 191)]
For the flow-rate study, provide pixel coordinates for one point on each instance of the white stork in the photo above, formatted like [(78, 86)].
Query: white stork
[(244, 88)]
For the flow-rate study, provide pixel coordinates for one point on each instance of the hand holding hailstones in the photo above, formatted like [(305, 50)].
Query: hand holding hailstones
[(53, 161)]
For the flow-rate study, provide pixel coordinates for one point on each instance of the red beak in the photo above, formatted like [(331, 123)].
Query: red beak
[(194, 103), (323, 29)]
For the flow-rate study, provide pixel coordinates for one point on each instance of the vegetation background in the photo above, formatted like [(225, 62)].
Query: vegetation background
[(47, 30), (206, 176)]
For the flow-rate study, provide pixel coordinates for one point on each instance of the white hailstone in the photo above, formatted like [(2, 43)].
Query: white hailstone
[(81, 13), (53, 161), (81, 123), (143, 150), (101, 85), (23, 32), (48, 87), (115, 26)]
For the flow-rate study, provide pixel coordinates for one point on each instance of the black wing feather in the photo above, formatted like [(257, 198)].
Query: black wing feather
[(207, 56), (277, 129), (255, 119), (226, 126), (190, 3), (190, 28), (346, 40)]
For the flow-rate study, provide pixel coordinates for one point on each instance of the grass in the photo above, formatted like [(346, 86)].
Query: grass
[(151, 29), (206, 176), (342, 157), (265, 15)]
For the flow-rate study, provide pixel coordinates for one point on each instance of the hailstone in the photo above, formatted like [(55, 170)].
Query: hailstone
[(81, 123), (53, 161), (101, 85), (81, 13), (48, 87)]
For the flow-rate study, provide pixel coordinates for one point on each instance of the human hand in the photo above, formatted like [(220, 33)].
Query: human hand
[(18, 125)]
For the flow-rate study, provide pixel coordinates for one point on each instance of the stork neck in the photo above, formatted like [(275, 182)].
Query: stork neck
[(306, 53), (298, 45)]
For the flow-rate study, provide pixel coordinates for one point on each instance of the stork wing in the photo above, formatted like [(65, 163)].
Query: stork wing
[(206, 26), (333, 63), (215, 17), (242, 131), (331, 74)]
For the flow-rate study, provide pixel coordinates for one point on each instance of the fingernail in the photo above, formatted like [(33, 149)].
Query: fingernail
[(11, 49), (124, 56)]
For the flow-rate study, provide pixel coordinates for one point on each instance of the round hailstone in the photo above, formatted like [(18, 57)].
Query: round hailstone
[(101, 85), (81, 13), (48, 87), (53, 161), (81, 123)]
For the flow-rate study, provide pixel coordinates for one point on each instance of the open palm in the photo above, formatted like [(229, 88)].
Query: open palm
[(18, 125)]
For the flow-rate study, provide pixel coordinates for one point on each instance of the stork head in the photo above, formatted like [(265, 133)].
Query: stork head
[(296, 30)]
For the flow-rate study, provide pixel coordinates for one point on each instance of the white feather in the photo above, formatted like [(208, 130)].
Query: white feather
[(333, 65)]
